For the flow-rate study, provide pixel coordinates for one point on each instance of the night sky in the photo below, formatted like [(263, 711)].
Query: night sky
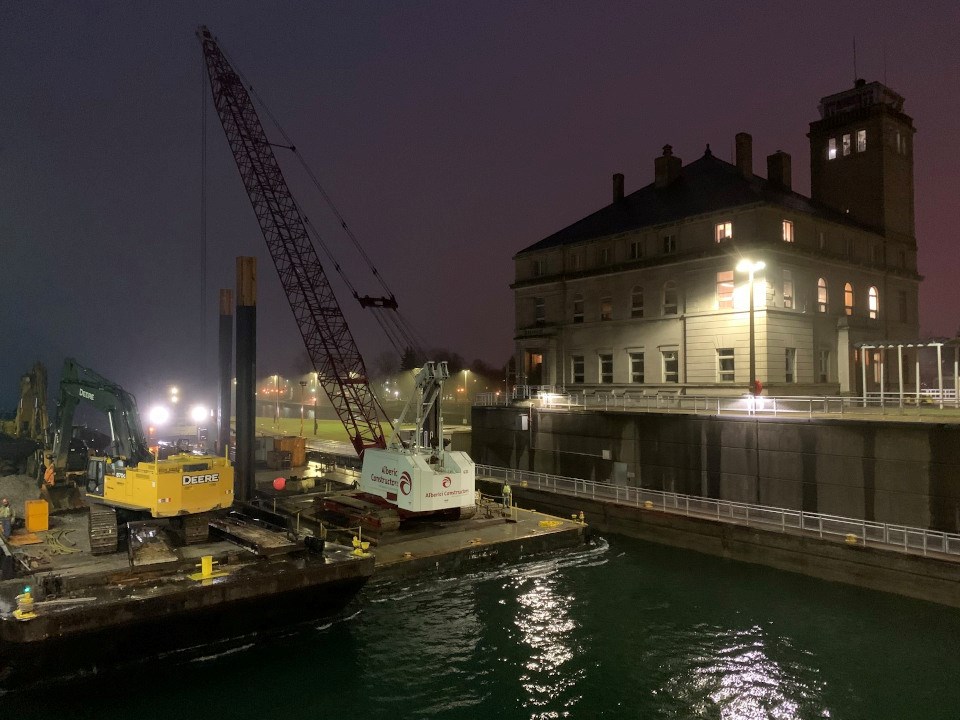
[(450, 135)]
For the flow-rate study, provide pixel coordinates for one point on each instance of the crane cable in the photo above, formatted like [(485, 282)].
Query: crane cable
[(398, 330)]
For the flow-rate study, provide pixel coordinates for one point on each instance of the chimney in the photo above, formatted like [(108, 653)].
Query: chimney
[(617, 187), (666, 167), (745, 155), (778, 169)]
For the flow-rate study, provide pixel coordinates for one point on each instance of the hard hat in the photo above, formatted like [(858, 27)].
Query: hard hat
[(6, 502)]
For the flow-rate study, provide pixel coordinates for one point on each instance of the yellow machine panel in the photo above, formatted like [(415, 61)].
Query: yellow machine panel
[(181, 484)]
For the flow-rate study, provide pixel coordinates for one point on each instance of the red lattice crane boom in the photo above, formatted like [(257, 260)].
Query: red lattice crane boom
[(332, 349)]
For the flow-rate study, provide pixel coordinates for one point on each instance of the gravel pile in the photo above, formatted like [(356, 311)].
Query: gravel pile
[(18, 489)]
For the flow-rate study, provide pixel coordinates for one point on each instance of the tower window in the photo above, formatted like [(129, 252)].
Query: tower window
[(724, 231), (578, 308), (725, 290), (576, 368), (636, 302), (822, 295), (861, 140), (725, 364), (832, 149), (848, 299), (846, 144), (670, 298), (606, 308), (873, 303), (671, 366), (787, 231), (606, 369), (669, 244), (787, 289)]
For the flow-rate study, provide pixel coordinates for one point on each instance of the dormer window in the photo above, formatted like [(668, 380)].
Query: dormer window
[(724, 231)]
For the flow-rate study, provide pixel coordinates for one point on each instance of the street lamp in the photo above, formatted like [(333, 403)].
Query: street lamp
[(303, 385), (748, 266)]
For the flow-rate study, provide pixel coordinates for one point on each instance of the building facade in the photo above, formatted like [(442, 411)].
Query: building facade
[(645, 294)]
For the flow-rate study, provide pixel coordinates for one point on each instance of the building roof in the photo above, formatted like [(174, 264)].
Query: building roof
[(707, 185)]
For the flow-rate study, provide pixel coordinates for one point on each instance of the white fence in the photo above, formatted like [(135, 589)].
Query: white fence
[(862, 532), (666, 401)]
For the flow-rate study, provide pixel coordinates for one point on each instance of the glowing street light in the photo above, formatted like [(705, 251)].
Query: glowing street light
[(158, 415), (750, 267)]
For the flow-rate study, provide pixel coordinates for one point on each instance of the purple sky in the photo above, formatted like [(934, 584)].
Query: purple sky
[(451, 135)]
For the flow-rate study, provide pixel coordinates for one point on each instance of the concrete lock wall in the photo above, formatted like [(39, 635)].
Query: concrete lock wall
[(894, 472)]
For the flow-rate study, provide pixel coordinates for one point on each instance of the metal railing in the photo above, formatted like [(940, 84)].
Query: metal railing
[(861, 532), (770, 406)]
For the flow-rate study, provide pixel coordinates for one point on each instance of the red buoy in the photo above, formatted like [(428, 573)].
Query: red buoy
[(279, 483)]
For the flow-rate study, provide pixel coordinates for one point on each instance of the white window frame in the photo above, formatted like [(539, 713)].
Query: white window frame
[(726, 373), (723, 231), (636, 302), (577, 362), (636, 249), (637, 359), (725, 289), (674, 307), (606, 309), (787, 231), (675, 357), (577, 309), (669, 244), (790, 364), (823, 363), (539, 311), (788, 297), (601, 359), (873, 302)]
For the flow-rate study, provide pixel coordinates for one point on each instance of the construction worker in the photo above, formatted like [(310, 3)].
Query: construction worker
[(6, 517), (48, 475)]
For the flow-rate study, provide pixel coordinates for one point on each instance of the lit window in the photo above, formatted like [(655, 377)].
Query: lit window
[(539, 311), (848, 299), (670, 298), (576, 368), (791, 365), (846, 144), (606, 308), (787, 289), (724, 231), (832, 149), (578, 308), (787, 231), (902, 303), (725, 364), (636, 249), (636, 302), (821, 295), (824, 365), (606, 369), (725, 290), (636, 367), (861, 140), (873, 303), (671, 366), (669, 244)]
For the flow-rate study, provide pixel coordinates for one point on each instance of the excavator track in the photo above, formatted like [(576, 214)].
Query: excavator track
[(103, 529), (194, 529)]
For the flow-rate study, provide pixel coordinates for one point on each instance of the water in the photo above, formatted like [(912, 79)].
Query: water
[(621, 630)]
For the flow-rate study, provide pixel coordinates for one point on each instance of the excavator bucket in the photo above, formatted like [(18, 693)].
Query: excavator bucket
[(63, 497)]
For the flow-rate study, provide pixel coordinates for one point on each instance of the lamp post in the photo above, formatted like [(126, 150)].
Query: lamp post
[(750, 267), (466, 403), (276, 390), (303, 385)]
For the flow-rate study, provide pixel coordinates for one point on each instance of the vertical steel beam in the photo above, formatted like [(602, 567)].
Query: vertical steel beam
[(224, 409), (246, 375)]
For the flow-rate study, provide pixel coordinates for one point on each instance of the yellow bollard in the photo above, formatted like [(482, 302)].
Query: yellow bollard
[(850, 539), (24, 609), (648, 505), (206, 569)]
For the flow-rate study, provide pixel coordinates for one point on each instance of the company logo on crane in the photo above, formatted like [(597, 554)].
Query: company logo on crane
[(406, 483), (447, 481)]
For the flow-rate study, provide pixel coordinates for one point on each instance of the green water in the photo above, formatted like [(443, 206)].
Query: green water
[(622, 630)]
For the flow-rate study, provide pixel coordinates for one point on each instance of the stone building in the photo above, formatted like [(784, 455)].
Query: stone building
[(644, 294)]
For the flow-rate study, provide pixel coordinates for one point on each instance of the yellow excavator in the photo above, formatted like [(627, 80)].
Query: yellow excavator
[(126, 482), (23, 438)]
